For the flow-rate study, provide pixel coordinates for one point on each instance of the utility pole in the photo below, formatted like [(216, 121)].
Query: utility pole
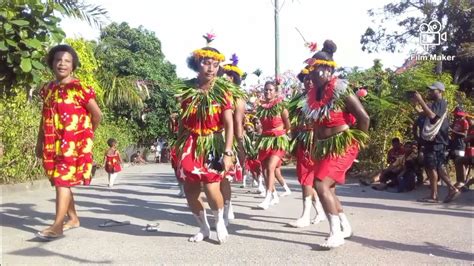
[(277, 40)]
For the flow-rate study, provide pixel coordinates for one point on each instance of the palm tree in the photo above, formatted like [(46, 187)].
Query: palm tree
[(94, 15), (128, 91)]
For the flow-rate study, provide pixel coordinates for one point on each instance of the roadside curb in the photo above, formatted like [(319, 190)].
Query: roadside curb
[(13, 189)]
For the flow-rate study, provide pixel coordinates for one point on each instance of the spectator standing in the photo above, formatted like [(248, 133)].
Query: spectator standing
[(435, 140)]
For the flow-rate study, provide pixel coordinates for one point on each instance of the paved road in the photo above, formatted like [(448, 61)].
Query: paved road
[(389, 228)]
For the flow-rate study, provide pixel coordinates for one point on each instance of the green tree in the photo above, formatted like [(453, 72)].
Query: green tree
[(391, 113), (132, 57), (27, 29), (457, 21)]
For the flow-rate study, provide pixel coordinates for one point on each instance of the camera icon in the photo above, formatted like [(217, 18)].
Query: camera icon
[(430, 34)]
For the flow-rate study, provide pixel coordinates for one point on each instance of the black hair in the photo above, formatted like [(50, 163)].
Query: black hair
[(111, 142), (220, 72), (193, 63), (329, 48), (63, 48), (395, 140), (273, 83), (301, 77), (235, 77)]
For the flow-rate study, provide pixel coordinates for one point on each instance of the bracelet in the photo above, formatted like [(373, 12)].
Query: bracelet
[(229, 153)]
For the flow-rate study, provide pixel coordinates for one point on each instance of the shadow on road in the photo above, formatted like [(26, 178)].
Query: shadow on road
[(427, 249), (41, 252)]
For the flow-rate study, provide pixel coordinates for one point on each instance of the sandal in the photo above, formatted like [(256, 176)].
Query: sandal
[(452, 196), (459, 185), (110, 223), (428, 200), (48, 235), (152, 227)]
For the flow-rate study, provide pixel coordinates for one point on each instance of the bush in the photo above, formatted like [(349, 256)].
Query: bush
[(120, 130), (19, 122)]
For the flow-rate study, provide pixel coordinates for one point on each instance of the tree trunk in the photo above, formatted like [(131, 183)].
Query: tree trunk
[(382, 160), (440, 13)]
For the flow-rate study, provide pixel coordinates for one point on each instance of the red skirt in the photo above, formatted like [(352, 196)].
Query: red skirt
[(253, 166), (174, 158), (192, 168), (336, 167), (265, 154), (237, 174), (112, 165), (304, 166)]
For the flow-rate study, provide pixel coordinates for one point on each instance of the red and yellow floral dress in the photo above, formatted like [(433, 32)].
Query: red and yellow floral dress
[(68, 133), (273, 141), (201, 144)]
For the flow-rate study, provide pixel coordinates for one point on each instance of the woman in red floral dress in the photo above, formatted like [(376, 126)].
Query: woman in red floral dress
[(70, 116)]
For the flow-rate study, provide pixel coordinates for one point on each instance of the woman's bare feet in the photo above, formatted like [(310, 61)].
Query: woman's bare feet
[(53, 231), (71, 225)]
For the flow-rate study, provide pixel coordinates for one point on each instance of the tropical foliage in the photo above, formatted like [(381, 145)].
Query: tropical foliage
[(455, 18), (28, 28), (390, 111), (137, 77), (19, 121)]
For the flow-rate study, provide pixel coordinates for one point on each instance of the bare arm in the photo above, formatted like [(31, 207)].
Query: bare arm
[(96, 114), (354, 106), (228, 129), (286, 120), (229, 137), (239, 116), (426, 110), (238, 119)]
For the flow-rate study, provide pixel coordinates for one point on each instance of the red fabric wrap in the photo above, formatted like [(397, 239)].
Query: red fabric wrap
[(193, 168), (253, 166), (265, 154), (238, 174), (208, 125), (269, 123), (112, 164), (274, 133), (336, 167), (338, 118), (174, 158), (304, 166)]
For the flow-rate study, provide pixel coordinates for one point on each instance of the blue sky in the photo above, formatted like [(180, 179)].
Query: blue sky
[(246, 27)]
